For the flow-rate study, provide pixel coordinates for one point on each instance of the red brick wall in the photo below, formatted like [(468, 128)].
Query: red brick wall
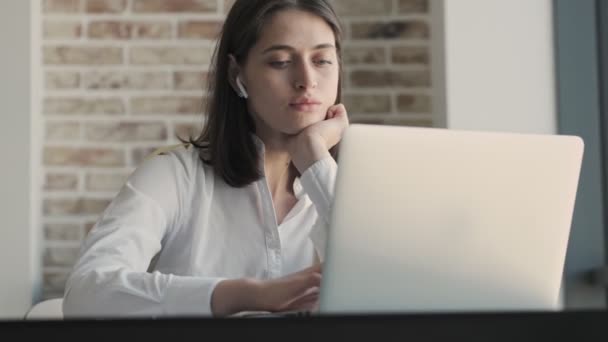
[(122, 77)]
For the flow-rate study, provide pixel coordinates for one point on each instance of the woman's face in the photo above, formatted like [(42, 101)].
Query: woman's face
[(291, 74)]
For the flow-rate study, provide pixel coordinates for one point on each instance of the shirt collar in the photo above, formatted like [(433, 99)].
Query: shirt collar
[(297, 186), (259, 144)]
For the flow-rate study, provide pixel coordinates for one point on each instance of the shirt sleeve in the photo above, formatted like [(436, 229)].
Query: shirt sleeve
[(111, 278), (318, 181)]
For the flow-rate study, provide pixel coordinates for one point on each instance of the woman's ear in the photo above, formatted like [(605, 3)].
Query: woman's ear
[(233, 77)]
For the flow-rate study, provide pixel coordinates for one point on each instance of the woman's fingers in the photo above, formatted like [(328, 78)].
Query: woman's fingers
[(314, 268), (294, 289), (299, 285), (308, 303), (337, 110), (305, 301)]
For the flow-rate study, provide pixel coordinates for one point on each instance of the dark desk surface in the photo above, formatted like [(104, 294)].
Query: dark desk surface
[(523, 326)]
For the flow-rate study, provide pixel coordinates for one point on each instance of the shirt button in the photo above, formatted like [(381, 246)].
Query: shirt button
[(269, 242)]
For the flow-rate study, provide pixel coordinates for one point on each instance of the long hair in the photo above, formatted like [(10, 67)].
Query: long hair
[(226, 140)]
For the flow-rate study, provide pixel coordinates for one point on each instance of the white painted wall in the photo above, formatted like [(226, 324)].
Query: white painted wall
[(19, 260), (36, 137), (499, 65)]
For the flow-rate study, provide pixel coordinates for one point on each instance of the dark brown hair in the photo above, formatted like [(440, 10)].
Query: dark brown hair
[(225, 141)]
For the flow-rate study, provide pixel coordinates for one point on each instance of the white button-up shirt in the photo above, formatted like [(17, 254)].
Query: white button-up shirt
[(176, 229)]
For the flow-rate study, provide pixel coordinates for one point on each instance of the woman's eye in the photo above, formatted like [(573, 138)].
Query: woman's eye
[(279, 64), (323, 62)]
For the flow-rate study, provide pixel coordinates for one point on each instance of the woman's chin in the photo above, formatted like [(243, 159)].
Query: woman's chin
[(309, 121), (297, 129), (292, 131), (296, 126)]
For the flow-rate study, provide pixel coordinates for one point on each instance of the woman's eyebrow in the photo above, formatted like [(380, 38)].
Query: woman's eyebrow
[(291, 48)]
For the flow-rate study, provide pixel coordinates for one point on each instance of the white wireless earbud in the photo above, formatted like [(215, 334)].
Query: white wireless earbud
[(239, 84)]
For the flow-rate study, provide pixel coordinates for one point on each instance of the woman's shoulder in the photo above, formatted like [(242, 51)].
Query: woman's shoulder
[(170, 165), (185, 157)]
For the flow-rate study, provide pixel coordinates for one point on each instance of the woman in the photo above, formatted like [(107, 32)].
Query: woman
[(236, 220)]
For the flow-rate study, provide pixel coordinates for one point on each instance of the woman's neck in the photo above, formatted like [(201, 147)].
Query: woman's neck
[(279, 174), (277, 165)]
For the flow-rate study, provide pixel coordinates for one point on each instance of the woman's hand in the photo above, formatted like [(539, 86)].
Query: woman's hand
[(314, 142), (297, 291)]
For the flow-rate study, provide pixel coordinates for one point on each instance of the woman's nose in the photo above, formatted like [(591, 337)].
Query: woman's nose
[(305, 78)]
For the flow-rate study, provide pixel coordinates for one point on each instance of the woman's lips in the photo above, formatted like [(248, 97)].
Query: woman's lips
[(304, 106)]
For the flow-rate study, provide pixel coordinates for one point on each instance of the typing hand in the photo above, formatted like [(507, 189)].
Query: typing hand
[(297, 291)]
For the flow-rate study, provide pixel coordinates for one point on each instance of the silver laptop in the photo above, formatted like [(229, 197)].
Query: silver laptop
[(437, 220)]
